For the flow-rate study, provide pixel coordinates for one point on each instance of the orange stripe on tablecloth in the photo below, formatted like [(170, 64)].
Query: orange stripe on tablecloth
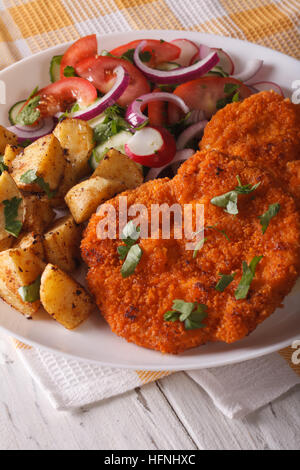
[(292, 355), (150, 376), (19, 345), (154, 15)]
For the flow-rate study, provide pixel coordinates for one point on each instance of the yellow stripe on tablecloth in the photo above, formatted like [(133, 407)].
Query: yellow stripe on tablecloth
[(154, 15), (150, 376), (288, 354), (19, 345)]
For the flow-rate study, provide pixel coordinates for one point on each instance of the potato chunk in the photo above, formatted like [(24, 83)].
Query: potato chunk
[(11, 151), (84, 198), (6, 243), (116, 166), (38, 213), (20, 267), (77, 139), (32, 242), (6, 137), (62, 243), (9, 190), (63, 298), (45, 156)]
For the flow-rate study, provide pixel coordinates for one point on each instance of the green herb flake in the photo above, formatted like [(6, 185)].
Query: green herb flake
[(247, 277), (230, 88), (113, 123), (267, 216), (31, 177), (3, 167), (191, 314), (31, 293), (228, 201), (132, 260), (145, 56), (13, 225), (224, 282), (131, 251), (198, 247), (69, 71), (30, 113)]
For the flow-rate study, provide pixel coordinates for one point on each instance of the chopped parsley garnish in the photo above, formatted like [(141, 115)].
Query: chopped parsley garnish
[(247, 277), (198, 247), (13, 225), (228, 201), (31, 293), (267, 216), (131, 252), (232, 95), (112, 124), (224, 282), (145, 56), (3, 167), (69, 71), (31, 177), (191, 314), (30, 113), (201, 242)]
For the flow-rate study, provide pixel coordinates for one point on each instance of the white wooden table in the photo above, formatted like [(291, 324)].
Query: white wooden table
[(174, 413)]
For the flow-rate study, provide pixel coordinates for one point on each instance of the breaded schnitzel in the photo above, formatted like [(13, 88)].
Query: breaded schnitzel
[(264, 129), (134, 307)]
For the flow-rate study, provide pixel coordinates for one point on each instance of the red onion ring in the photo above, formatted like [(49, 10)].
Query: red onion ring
[(23, 136), (134, 114), (120, 85), (196, 115), (189, 133), (251, 69), (175, 76), (179, 158), (33, 128), (225, 60), (266, 86), (189, 51)]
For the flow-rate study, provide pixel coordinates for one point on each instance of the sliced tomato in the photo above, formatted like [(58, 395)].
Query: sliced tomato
[(204, 93), (161, 51), (61, 94), (157, 112), (84, 47), (99, 71)]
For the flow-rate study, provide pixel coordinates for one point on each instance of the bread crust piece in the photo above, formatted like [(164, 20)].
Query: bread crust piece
[(264, 129), (134, 307)]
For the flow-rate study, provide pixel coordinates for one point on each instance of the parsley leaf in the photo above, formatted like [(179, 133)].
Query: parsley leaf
[(232, 95), (30, 113), (224, 282), (230, 88), (130, 233), (132, 260), (198, 247), (190, 313), (131, 252), (112, 124), (69, 71), (13, 226), (267, 216), (247, 277), (31, 177), (3, 167), (228, 201), (31, 293)]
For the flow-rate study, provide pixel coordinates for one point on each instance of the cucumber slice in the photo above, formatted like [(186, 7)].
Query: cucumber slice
[(14, 110), (97, 120), (117, 142), (55, 68), (168, 66)]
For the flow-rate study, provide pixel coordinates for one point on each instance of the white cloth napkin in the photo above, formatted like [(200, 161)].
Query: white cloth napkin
[(236, 390)]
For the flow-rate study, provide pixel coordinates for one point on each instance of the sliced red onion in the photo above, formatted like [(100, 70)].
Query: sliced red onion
[(189, 50), (195, 116), (34, 128), (100, 105), (179, 158), (225, 60), (190, 133), (175, 76), (266, 86), (251, 69), (23, 136), (134, 114)]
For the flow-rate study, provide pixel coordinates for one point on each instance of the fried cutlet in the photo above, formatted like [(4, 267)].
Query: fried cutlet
[(264, 129), (134, 307)]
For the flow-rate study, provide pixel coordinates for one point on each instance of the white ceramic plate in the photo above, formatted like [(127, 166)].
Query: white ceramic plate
[(93, 340)]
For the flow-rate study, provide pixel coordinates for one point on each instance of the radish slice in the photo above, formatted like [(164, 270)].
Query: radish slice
[(189, 50), (175, 76), (134, 114), (266, 86), (151, 146), (195, 116), (251, 69), (23, 136), (196, 130), (180, 157), (92, 111), (225, 60)]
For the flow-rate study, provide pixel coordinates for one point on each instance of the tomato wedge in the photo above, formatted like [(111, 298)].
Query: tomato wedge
[(84, 47), (157, 112), (99, 71), (204, 93), (61, 94), (161, 51)]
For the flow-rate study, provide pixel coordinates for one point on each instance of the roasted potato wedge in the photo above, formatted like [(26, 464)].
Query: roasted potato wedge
[(6, 243), (63, 298), (45, 156), (116, 166), (77, 139), (6, 137), (62, 243), (38, 213), (8, 190), (84, 198), (20, 267), (32, 242), (10, 153)]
